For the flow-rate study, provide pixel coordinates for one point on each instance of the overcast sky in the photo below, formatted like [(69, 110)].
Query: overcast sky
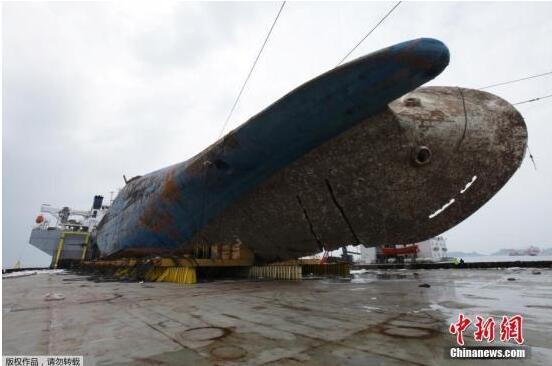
[(92, 91)]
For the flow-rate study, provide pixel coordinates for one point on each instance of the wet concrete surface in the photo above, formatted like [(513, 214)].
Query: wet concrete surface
[(379, 317)]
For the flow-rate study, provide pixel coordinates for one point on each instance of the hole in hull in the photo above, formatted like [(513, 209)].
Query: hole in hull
[(421, 155)]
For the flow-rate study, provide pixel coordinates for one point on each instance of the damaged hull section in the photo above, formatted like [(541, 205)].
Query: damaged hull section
[(340, 160), (385, 180)]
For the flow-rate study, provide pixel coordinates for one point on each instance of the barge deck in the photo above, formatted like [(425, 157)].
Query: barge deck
[(378, 317)]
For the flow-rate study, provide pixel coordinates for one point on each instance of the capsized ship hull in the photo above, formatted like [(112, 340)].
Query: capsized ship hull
[(330, 164), (403, 176)]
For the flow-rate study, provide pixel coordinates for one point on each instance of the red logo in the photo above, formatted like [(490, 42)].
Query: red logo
[(459, 327), (485, 329), (510, 328)]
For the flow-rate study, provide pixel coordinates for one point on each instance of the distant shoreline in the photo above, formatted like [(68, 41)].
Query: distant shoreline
[(507, 258)]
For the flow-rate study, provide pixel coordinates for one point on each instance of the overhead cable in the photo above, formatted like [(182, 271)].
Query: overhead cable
[(251, 70), (533, 100), (370, 32), (516, 80)]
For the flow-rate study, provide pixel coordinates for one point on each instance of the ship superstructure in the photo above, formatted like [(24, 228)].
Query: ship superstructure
[(66, 233)]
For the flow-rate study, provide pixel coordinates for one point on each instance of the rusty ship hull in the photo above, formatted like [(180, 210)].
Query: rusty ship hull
[(343, 159)]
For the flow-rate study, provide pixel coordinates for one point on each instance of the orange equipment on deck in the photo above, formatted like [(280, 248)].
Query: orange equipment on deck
[(412, 249)]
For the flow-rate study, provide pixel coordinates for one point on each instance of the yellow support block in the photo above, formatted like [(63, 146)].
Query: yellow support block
[(181, 275), (163, 275), (276, 272), (121, 272), (154, 273)]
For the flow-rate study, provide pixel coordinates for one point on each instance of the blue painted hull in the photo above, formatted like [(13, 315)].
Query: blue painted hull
[(164, 210)]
